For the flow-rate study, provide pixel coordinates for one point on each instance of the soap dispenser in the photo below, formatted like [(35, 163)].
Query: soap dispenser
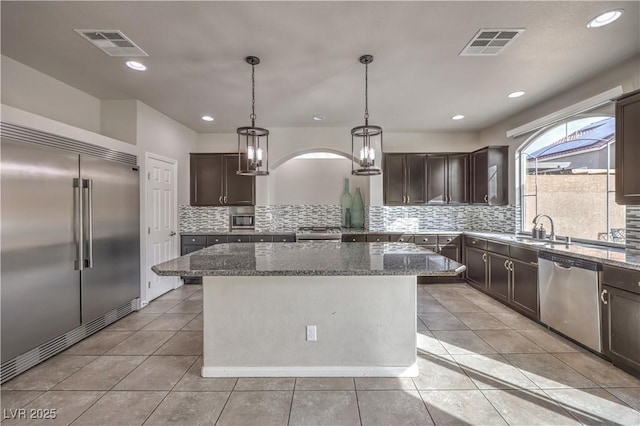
[(542, 233), (534, 232)]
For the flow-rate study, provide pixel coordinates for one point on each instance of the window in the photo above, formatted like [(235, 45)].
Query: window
[(567, 171)]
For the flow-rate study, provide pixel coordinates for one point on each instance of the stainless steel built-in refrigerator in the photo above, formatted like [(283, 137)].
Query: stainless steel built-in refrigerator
[(70, 243)]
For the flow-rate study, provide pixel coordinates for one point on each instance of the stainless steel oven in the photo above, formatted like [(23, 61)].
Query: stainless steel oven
[(242, 221)]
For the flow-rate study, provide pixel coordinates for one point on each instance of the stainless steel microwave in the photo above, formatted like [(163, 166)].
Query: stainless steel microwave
[(242, 221)]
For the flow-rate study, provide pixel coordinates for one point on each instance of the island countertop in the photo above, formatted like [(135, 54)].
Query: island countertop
[(311, 259)]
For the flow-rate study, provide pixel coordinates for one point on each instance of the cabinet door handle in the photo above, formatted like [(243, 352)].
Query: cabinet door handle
[(484, 257), (404, 199), (506, 265), (511, 266), (408, 199), (225, 199), (486, 198), (602, 297), (220, 199)]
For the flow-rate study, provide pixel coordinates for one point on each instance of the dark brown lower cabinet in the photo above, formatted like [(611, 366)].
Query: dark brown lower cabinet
[(506, 272), (476, 262), (524, 288), (450, 251), (499, 276), (621, 328)]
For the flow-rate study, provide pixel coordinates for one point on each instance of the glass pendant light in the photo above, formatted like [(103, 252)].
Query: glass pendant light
[(253, 142), (366, 141)]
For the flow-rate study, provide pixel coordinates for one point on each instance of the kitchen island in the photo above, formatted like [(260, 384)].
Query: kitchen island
[(259, 300)]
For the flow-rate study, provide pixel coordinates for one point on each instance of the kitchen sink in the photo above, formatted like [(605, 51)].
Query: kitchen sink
[(536, 242)]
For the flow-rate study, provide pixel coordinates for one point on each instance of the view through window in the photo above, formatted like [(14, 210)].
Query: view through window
[(568, 173)]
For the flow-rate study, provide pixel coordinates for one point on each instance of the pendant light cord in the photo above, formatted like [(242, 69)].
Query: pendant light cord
[(366, 94), (253, 96)]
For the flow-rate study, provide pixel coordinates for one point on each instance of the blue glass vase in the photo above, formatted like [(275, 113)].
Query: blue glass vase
[(357, 210), (345, 203)]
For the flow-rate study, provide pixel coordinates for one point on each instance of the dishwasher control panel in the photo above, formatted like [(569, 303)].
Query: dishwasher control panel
[(570, 261)]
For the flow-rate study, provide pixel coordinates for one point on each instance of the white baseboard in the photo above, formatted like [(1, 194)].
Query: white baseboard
[(409, 371)]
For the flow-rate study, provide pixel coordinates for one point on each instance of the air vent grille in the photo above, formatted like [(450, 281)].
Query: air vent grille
[(24, 134), (490, 42), (22, 363), (112, 42)]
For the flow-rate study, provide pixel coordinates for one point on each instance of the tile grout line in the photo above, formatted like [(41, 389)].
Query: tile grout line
[(293, 394), (227, 400), (355, 389)]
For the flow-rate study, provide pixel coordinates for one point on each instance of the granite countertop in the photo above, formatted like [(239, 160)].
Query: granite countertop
[(614, 256), (309, 259), (205, 231)]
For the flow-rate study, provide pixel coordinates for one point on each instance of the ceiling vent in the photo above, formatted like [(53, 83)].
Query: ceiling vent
[(490, 42), (112, 42)]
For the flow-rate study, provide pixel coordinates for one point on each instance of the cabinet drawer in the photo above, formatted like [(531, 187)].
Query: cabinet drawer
[(430, 240), (190, 248), (446, 239), (404, 238), (194, 239), (378, 238), (354, 238), (240, 238), (625, 279), (284, 238), (474, 242), (216, 239), (498, 247), (524, 255), (262, 238)]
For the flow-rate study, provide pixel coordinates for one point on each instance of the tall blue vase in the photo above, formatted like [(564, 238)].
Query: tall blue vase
[(357, 210), (345, 203)]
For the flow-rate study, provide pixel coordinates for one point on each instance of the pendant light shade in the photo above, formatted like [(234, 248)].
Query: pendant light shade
[(253, 142), (366, 141)]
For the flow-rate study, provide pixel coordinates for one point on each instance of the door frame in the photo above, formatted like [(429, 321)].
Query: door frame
[(144, 236)]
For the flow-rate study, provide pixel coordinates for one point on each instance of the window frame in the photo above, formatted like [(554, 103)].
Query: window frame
[(521, 174)]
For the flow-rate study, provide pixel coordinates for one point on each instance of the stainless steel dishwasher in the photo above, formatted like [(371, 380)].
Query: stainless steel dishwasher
[(569, 289)]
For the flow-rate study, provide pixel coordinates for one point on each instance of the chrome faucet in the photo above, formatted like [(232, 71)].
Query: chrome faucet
[(536, 219)]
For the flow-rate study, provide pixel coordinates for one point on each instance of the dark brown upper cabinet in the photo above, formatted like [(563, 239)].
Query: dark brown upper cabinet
[(489, 176), (214, 181), (448, 178), (628, 148), (404, 179)]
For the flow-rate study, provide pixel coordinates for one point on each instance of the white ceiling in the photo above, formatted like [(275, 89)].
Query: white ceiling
[(309, 53)]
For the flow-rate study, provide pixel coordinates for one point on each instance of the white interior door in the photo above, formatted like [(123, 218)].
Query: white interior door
[(162, 237)]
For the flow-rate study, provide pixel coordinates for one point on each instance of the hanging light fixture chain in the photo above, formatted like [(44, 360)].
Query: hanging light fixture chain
[(366, 94), (253, 96)]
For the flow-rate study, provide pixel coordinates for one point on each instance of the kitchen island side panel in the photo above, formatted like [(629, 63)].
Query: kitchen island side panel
[(256, 326)]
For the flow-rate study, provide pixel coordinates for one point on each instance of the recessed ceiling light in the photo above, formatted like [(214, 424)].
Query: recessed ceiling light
[(516, 94), (605, 18), (207, 118), (457, 117), (319, 117), (136, 66)]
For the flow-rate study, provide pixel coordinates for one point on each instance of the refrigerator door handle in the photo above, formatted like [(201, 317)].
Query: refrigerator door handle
[(79, 262), (88, 184)]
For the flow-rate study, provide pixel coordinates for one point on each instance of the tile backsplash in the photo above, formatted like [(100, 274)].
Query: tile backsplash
[(195, 219), (377, 218), (633, 228), (454, 218)]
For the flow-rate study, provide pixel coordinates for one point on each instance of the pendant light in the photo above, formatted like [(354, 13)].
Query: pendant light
[(366, 141), (253, 142)]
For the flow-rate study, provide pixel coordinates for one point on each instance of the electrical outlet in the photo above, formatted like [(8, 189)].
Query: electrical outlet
[(311, 333)]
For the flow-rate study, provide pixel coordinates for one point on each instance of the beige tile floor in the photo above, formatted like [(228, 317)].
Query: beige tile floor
[(480, 363)]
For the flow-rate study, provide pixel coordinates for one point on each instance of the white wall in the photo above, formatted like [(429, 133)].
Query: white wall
[(162, 135), (626, 74), (119, 119), (314, 181), (30, 90)]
